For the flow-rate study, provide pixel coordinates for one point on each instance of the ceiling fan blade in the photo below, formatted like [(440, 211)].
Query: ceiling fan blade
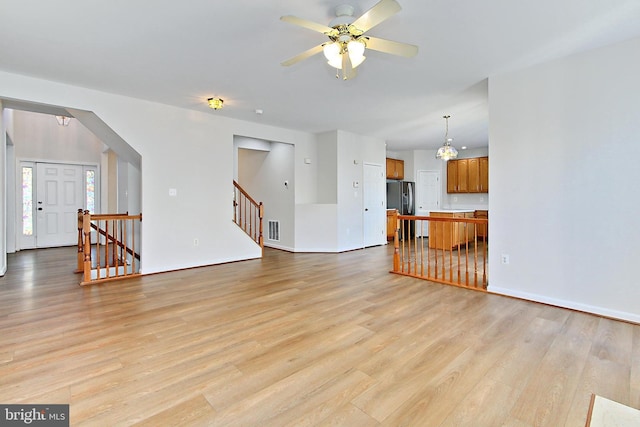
[(307, 24), (378, 13), (304, 55), (388, 46)]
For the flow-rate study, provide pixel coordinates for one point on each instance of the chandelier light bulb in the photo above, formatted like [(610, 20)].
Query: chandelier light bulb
[(331, 51), (336, 62)]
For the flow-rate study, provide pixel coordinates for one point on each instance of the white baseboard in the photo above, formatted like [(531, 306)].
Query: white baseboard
[(281, 247), (601, 311)]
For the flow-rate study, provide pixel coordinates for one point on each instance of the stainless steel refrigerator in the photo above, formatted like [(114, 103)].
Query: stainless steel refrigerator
[(401, 196)]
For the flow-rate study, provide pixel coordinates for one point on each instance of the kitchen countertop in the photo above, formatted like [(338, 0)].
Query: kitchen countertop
[(452, 210)]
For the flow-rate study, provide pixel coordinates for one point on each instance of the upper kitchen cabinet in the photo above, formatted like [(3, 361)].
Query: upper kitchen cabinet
[(468, 175), (484, 174), (452, 176), (458, 176), (395, 169)]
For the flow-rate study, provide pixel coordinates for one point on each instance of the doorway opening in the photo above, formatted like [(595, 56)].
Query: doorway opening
[(49, 197)]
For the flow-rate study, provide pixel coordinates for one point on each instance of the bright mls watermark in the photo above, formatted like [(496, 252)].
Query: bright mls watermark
[(34, 415)]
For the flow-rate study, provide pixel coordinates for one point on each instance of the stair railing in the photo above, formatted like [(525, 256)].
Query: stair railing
[(455, 251), (113, 254), (248, 214)]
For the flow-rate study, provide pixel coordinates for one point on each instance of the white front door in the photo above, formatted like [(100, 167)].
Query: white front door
[(373, 195), (427, 197), (59, 195)]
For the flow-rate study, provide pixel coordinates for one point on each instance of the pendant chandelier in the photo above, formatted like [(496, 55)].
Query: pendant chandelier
[(447, 152), (63, 120)]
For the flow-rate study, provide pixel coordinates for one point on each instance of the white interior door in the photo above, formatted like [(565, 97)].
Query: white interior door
[(373, 195), (59, 195), (428, 191)]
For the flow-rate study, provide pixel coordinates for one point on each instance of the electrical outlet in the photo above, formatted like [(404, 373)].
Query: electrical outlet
[(196, 242), (505, 259)]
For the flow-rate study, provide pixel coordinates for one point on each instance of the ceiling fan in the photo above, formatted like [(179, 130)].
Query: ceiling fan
[(347, 40)]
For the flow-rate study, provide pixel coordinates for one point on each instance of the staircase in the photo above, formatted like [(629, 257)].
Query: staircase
[(107, 246), (248, 214)]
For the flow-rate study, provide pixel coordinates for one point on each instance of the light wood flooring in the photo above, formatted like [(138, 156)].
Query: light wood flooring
[(300, 340)]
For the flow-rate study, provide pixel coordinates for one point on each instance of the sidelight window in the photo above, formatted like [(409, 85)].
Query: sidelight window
[(90, 190), (27, 200)]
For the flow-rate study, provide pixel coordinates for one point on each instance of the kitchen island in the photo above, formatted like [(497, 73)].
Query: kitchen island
[(449, 235)]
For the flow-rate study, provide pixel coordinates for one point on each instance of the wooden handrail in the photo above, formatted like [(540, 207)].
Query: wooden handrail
[(456, 254), (244, 193), (248, 214), (113, 216)]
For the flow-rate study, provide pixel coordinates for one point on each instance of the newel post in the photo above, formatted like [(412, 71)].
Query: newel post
[(260, 236), (396, 243), (80, 248), (86, 231)]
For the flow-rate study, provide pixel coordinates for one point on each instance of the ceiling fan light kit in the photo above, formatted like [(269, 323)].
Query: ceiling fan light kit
[(335, 51), (347, 42)]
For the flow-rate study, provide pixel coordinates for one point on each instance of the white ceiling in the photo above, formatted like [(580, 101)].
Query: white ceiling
[(183, 52)]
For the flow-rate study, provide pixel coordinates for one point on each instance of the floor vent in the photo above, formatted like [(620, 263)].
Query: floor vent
[(274, 231)]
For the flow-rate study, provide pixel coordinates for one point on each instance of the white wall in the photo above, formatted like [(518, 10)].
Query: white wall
[(425, 160), (564, 149), (10, 180), (3, 199), (317, 217), (123, 187), (327, 156), (350, 201), (353, 151), (39, 137), (316, 225), (187, 150), (334, 223), (263, 175)]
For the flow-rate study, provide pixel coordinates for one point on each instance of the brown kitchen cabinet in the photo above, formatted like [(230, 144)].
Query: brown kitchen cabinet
[(458, 176), (463, 176), (484, 174), (391, 223), (452, 176), (448, 235), (395, 169), (473, 177), (468, 175)]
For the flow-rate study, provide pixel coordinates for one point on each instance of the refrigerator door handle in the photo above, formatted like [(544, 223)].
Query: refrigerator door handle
[(410, 191)]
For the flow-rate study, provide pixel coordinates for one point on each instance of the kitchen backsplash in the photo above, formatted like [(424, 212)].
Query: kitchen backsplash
[(466, 201)]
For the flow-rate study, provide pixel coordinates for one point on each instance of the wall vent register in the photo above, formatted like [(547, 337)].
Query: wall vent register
[(273, 231)]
